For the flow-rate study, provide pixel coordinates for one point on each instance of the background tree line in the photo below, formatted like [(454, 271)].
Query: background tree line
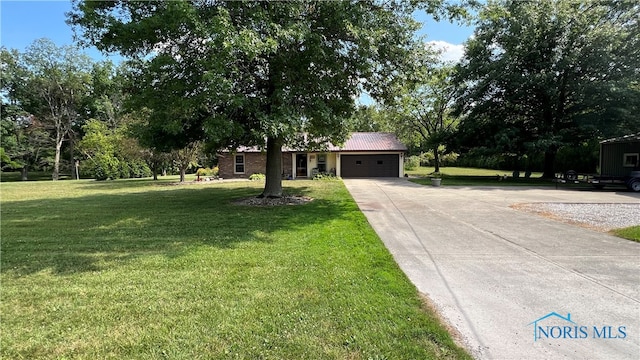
[(66, 114), (540, 84)]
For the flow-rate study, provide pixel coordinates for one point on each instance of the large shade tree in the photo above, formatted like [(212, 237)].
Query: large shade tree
[(55, 89), (255, 73), (425, 108), (540, 75)]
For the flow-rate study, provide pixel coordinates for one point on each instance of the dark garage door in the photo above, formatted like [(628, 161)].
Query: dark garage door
[(383, 165)]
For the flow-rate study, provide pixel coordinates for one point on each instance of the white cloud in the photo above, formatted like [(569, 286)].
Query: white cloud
[(450, 52)]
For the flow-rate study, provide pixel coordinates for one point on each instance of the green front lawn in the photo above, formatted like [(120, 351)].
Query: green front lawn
[(149, 270), (478, 177), (631, 233)]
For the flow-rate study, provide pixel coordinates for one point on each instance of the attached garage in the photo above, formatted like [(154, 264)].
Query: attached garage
[(370, 165)]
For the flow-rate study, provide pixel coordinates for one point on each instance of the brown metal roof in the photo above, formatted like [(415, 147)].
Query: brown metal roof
[(358, 141), (371, 141), (622, 139)]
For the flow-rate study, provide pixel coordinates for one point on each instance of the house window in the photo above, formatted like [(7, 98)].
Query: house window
[(379, 162), (239, 164), (358, 162), (630, 160)]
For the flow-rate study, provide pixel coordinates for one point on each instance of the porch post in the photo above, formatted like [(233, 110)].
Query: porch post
[(293, 166)]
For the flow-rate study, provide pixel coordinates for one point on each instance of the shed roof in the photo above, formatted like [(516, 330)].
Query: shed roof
[(357, 141), (622, 139)]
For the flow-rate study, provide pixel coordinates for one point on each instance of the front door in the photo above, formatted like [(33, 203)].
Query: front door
[(301, 164)]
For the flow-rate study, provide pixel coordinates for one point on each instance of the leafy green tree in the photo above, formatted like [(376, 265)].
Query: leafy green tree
[(186, 157), (25, 142), (425, 108), (107, 101), (110, 153), (56, 86), (374, 118), (11, 113), (99, 146), (255, 73), (111, 122), (540, 75), (156, 161)]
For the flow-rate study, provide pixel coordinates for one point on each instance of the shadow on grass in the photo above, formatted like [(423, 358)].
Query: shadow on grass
[(95, 232), (15, 176)]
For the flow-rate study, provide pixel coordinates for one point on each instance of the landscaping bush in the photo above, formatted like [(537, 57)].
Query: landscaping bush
[(139, 169), (257, 177), (101, 167), (207, 171), (411, 162), (326, 177), (449, 159), (104, 167), (483, 161), (133, 169), (428, 159)]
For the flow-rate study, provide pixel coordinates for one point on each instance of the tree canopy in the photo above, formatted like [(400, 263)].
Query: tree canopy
[(255, 73), (49, 85), (540, 75), (425, 108)]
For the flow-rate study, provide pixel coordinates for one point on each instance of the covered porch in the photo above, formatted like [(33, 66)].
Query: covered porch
[(308, 164)]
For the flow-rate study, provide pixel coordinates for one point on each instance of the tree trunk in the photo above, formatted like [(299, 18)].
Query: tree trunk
[(183, 171), (56, 163), (72, 160), (273, 183), (549, 164), (24, 173), (154, 170), (436, 159)]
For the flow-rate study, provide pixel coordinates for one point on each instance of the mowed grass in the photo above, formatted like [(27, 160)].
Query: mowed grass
[(631, 233), (460, 176), (150, 270)]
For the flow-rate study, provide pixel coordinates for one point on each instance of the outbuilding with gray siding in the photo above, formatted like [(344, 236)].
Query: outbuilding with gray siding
[(620, 156)]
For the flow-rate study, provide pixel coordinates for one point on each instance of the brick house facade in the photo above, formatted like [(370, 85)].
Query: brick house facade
[(254, 163)]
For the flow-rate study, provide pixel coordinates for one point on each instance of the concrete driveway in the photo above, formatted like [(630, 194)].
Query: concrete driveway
[(512, 284)]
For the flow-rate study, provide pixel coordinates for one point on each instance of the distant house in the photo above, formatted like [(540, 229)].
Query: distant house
[(620, 156), (364, 154)]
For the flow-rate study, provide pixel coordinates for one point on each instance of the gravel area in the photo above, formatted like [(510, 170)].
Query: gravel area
[(599, 216)]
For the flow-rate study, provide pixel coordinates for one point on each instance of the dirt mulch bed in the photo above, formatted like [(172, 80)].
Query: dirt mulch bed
[(284, 200)]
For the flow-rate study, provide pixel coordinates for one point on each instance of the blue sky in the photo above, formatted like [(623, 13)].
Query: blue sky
[(22, 22)]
